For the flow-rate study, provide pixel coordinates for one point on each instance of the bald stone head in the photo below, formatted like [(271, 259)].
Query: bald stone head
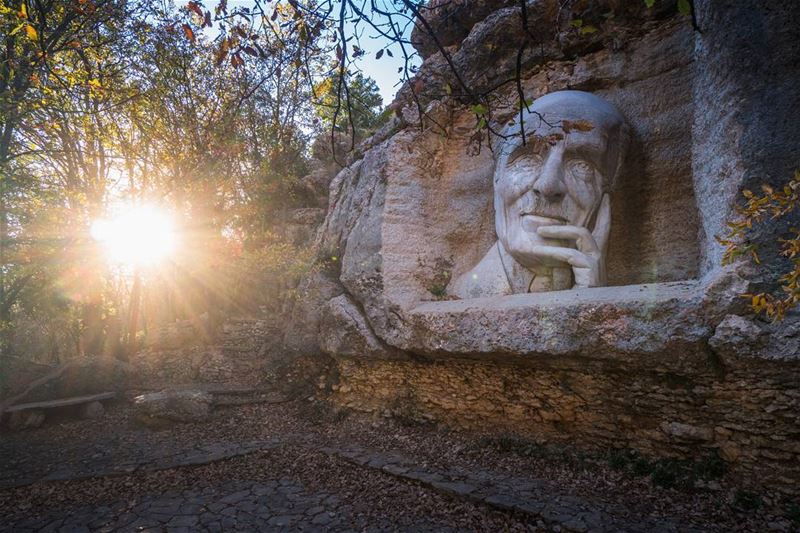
[(575, 143)]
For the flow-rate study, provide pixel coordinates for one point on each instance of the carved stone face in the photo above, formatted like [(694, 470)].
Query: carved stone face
[(558, 177)]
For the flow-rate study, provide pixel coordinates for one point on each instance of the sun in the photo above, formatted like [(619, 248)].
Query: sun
[(138, 236)]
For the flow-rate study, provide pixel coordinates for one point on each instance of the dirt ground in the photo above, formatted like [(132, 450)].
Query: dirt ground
[(299, 466)]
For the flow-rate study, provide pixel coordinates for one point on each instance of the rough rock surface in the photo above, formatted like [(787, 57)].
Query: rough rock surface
[(93, 410), (665, 359), (748, 414), (159, 408), (26, 420)]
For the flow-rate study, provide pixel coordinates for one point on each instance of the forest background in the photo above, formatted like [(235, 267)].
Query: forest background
[(211, 114)]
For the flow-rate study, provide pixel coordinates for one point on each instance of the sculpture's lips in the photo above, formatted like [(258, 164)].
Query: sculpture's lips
[(543, 220)]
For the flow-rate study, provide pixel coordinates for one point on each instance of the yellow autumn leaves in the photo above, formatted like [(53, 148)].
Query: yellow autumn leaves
[(22, 16)]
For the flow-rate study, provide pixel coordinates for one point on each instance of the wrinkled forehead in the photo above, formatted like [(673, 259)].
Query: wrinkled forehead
[(580, 120)]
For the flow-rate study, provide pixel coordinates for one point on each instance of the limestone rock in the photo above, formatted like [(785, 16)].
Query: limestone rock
[(664, 351), (162, 408), (735, 336), (26, 419), (93, 410), (302, 332), (302, 225), (345, 331), (783, 339), (451, 22), (687, 431), (730, 451)]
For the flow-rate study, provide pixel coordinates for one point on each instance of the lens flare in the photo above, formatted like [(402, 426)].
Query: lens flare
[(137, 236)]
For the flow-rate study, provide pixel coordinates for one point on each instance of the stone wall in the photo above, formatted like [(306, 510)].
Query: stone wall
[(748, 414), (179, 355)]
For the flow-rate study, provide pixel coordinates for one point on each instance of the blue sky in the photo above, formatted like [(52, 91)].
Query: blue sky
[(383, 70)]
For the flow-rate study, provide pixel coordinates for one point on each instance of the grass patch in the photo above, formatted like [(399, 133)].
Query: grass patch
[(668, 473), (527, 448)]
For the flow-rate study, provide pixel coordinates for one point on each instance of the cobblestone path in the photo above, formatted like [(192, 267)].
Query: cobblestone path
[(270, 506), (115, 476)]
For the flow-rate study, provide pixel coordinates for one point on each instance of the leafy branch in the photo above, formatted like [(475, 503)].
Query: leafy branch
[(771, 204)]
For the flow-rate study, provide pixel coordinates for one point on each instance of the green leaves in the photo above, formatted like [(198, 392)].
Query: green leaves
[(479, 109), (583, 29), (649, 3)]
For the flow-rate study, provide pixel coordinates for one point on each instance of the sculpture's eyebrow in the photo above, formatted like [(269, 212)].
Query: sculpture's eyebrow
[(530, 147), (592, 145), (516, 151)]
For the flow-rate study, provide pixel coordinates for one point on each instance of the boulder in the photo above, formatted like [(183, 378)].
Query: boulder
[(161, 408), (93, 410), (345, 331), (26, 419), (735, 335)]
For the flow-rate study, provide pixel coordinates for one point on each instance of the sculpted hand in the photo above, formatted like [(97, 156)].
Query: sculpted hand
[(588, 259)]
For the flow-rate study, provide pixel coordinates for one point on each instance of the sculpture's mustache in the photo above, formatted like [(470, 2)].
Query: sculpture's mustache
[(542, 208)]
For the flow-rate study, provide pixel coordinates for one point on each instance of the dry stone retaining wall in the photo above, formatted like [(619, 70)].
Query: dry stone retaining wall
[(748, 415)]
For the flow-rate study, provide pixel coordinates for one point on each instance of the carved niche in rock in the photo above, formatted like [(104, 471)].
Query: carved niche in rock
[(551, 198)]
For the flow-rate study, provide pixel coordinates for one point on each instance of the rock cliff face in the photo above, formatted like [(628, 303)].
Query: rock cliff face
[(664, 359)]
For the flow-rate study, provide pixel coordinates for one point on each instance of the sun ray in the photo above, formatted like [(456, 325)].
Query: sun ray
[(138, 236)]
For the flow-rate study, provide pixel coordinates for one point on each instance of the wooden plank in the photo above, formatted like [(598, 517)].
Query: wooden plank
[(211, 388), (64, 402)]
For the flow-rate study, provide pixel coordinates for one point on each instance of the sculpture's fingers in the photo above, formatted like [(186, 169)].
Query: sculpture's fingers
[(565, 255), (602, 225), (584, 240)]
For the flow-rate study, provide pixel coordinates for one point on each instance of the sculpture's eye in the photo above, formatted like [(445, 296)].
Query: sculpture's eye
[(581, 169), (526, 160)]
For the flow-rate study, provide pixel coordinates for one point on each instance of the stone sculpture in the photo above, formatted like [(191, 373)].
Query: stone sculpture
[(551, 198)]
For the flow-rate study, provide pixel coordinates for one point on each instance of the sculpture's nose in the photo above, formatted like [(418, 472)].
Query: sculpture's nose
[(550, 183)]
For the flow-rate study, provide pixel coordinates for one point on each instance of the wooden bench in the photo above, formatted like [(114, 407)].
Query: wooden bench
[(32, 414)]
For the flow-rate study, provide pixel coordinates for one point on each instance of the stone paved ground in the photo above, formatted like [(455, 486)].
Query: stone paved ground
[(291, 467)]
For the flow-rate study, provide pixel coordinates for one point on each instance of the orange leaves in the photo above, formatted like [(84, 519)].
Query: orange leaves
[(86, 7), (188, 32), (222, 52), (577, 125), (198, 18), (30, 31), (225, 48), (195, 8)]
